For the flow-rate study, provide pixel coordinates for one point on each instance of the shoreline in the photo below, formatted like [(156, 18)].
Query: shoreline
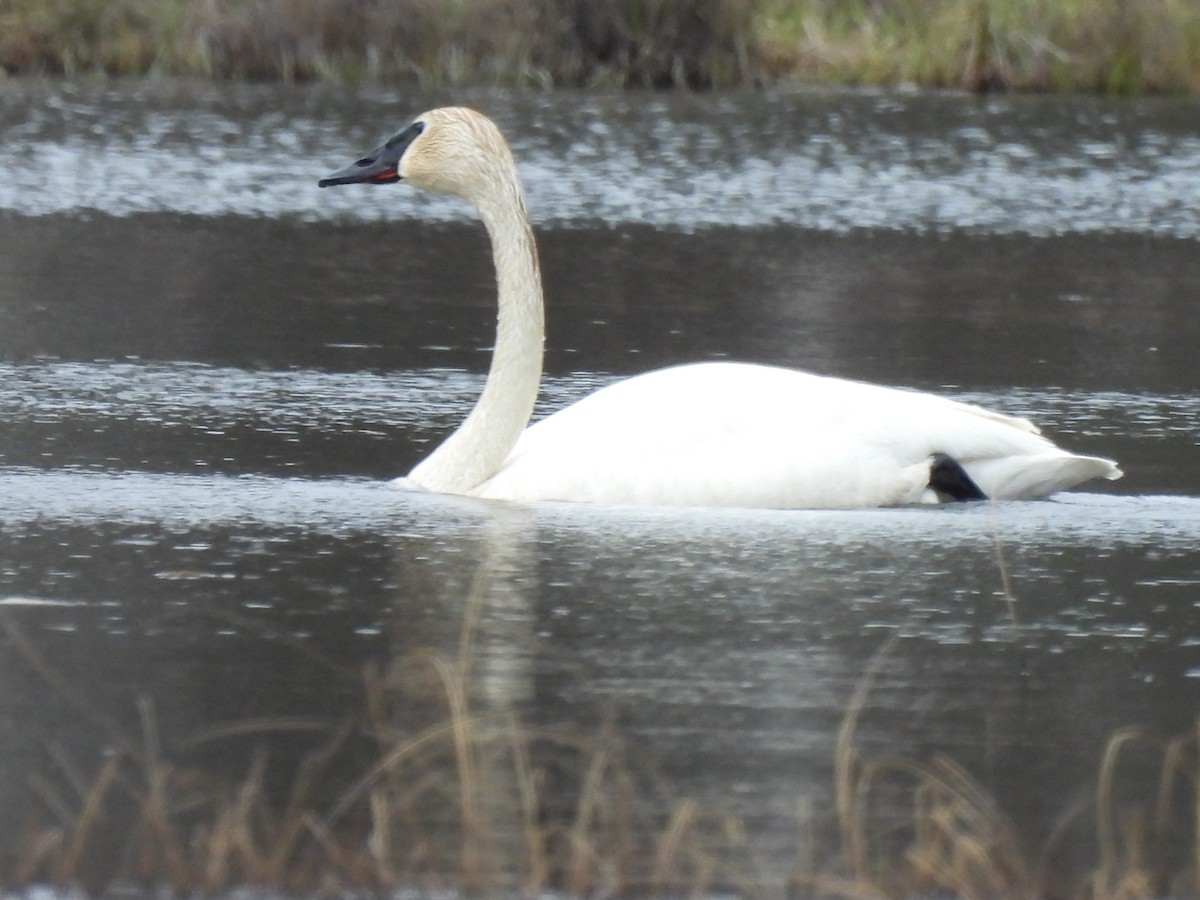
[(1105, 47)]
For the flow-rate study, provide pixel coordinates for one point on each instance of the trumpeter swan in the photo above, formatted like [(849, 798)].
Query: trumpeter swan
[(705, 434)]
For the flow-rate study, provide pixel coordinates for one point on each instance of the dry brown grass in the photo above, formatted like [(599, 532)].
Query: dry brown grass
[(1111, 46), (923, 828), (454, 796), (650, 43), (459, 795)]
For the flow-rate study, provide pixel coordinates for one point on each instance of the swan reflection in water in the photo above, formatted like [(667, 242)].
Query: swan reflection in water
[(719, 434)]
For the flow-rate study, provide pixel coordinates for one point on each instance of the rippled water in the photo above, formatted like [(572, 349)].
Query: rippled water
[(829, 161), (209, 367)]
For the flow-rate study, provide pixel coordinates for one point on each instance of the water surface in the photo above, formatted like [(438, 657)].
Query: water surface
[(209, 368), (832, 161)]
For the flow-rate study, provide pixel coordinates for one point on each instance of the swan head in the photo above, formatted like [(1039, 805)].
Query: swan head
[(452, 150)]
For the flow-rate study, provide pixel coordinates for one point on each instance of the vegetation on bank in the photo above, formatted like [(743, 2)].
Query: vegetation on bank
[(427, 787), (1111, 46)]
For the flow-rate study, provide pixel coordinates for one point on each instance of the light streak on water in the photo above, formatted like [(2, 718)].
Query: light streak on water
[(828, 161)]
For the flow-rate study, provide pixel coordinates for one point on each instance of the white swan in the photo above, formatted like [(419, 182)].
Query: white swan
[(707, 434)]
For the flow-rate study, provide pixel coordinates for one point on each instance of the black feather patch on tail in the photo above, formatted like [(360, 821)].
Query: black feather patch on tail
[(950, 481)]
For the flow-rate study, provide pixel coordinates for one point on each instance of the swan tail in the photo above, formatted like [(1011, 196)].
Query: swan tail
[(1035, 477)]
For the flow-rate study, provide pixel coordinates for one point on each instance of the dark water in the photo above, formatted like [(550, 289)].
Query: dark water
[(207, 367)]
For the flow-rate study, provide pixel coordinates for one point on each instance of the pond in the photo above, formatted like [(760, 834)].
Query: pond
[(209, 368)]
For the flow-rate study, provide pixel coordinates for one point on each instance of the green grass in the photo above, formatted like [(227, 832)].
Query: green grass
[(1109, 46)]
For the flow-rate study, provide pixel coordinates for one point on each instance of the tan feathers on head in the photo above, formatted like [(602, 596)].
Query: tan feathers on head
[(459, 150)]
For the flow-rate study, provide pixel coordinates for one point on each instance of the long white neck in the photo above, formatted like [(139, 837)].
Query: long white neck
[(477, 449)]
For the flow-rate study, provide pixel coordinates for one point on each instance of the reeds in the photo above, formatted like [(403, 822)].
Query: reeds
[(650, 43), (1110, 46), (955, 842), (922, 828), (454, 795), (401, 794)]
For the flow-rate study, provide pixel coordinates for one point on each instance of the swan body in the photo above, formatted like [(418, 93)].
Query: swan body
[(706, 434), (733, 434)]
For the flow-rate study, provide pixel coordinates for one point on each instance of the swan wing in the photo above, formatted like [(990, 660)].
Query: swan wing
[(731, 434)]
